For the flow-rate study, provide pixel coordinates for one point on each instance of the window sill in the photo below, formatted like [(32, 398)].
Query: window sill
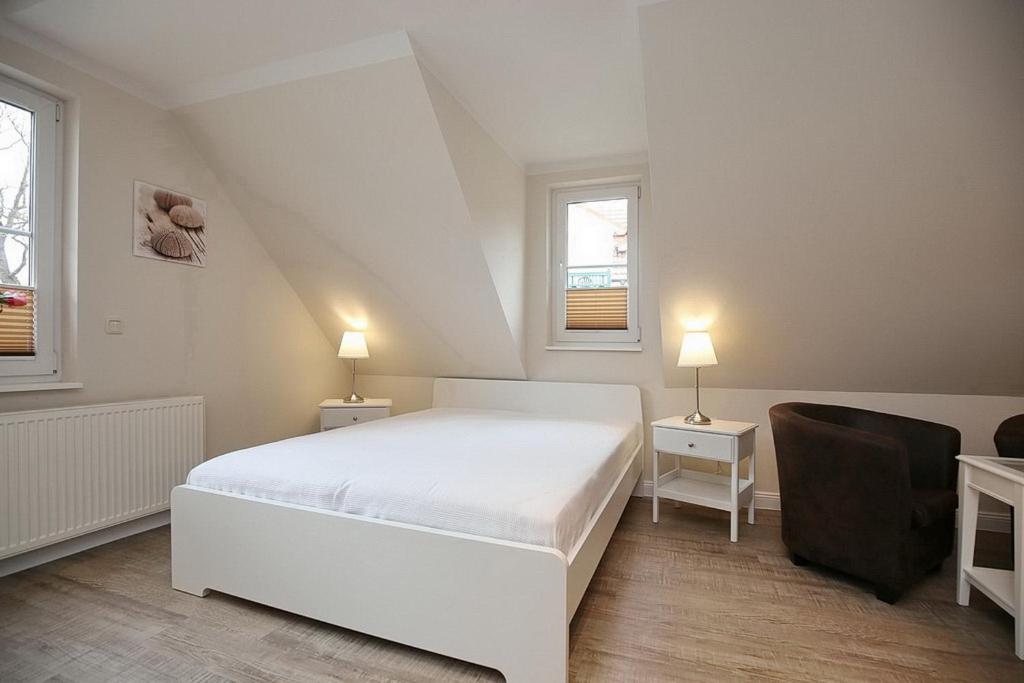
[(608, 346), (40, 386)]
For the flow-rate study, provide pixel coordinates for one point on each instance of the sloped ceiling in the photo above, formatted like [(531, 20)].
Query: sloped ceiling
[(494, 188), (838, 191), (349, 183), (552, 81)]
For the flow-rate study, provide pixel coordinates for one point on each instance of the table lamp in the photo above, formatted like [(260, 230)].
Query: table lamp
[(353, 346), (697, 352)]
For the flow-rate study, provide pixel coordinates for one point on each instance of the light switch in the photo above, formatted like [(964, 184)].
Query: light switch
[(115, 326)]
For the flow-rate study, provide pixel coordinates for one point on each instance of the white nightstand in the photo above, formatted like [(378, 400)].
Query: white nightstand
[(335, 413), (722, 441)]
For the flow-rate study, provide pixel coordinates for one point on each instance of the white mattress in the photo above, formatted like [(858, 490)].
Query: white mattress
[(501, 474)]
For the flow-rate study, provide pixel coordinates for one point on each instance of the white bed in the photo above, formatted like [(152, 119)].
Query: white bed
[(471, 529), (503, 474)]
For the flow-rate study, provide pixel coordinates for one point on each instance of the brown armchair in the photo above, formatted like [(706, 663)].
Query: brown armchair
[(866, 493)]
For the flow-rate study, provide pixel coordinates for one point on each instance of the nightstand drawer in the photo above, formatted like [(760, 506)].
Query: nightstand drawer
[(696, 444), (331, 418)]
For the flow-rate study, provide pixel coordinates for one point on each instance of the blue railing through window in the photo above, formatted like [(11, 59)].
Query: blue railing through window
[(596, 277), (585, 279)]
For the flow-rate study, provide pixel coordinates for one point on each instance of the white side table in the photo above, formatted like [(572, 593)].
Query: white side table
[(335, 413), (1002, 479), (722, 441)]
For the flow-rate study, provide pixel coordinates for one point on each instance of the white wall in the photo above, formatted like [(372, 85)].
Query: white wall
[(234, 331)]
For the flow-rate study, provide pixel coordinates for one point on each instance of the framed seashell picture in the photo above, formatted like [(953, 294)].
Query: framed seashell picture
[(168, 225)]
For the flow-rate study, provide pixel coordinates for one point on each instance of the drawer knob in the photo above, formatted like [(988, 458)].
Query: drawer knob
[(690, 445), (355, 419)]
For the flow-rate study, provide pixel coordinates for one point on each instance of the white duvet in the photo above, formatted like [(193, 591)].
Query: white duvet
[(501, 474)]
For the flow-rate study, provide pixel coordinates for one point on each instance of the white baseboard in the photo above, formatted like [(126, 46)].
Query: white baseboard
[(991, 521), (766, 500), (34, 558)]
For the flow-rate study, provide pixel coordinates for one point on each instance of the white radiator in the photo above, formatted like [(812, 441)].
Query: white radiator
[(69, 471)]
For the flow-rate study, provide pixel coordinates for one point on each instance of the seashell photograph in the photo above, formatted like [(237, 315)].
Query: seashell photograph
[(166, 199), (168, 225), (172, 243)]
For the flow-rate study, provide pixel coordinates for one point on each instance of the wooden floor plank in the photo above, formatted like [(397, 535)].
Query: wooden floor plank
[(670, 602)]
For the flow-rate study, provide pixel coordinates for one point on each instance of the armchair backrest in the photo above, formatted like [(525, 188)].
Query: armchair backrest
[(931, 448), (1009, 437)]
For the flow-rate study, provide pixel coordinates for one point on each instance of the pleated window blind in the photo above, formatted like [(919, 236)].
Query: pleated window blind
[(18, 326), (598, 308)]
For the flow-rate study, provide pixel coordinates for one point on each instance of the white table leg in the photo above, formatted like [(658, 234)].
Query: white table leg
[(734, 516), (654, 493), (752, 475), (968, 527), (1018, 572)]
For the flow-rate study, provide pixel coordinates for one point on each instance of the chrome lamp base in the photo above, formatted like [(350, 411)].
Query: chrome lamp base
[(698, 418), (354, 398)]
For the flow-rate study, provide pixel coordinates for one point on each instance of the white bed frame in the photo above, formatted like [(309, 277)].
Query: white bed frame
[(497, 603)]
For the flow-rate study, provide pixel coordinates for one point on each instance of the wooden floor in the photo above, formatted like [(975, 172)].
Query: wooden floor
[(671, 602)]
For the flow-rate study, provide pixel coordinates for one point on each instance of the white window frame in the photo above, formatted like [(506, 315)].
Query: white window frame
[(559, 244), (47, 172)]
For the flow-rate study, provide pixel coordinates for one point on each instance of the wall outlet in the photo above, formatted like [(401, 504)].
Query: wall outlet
[(115, 326)]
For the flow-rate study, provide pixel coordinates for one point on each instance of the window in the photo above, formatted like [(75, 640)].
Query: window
[(594, 272), (29, 234)]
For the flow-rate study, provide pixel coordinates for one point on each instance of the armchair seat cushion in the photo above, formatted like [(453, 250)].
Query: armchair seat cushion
[(928, 506)]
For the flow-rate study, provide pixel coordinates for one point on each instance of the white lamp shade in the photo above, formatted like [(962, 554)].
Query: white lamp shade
[(697, 351), (353, 345)]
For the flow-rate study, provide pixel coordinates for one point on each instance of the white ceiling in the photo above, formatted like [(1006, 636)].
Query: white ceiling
[(554, 81)]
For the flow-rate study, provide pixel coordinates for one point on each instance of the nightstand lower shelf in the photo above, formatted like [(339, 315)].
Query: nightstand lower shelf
[(701, 488), (997, 584)]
